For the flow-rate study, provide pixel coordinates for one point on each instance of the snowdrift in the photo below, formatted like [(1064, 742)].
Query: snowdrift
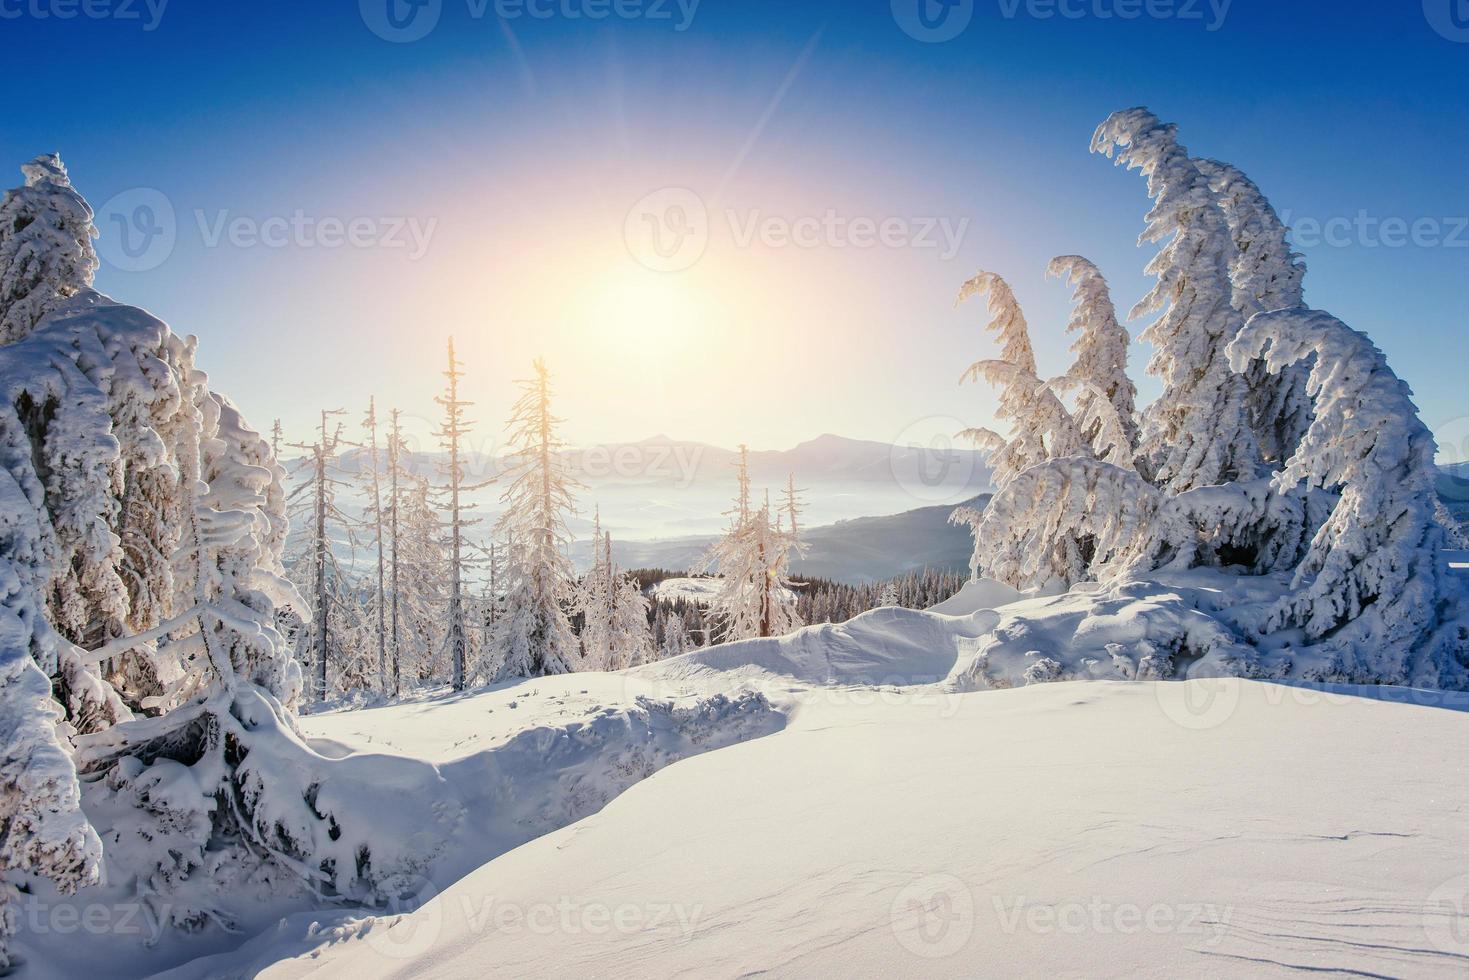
[(885, 646), (421, 824), (1225, 828)]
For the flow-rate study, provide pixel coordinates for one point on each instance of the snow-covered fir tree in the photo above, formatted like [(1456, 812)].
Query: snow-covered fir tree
[(1348, 519), (1198, 433), (1106, 409), (629, 638), (534, 636), (419, 556), (594, 601), (675, 638), (373, 519), (755, 598), (1041, 426), (332, 652), (452, 435), (46, 254), (1266, 275), (1373, 590)]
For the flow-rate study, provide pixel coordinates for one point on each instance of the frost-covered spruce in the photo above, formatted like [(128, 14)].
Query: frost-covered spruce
[(46, 254), (1198, 433), (594, 601), (1372, 597), (1041, 427), (753, 562), (1100, 368), (534, 636), (43, 831), (1267, 275), (1064, 521), (420, 600), (630, 642)]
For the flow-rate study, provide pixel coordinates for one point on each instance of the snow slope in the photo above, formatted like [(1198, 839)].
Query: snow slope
[(895, 827), (1229, 827)]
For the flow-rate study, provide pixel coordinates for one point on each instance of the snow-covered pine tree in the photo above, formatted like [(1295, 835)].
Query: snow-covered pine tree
[(535, 636), (1065, 521), (1267, 275), (394, 547), (675, 636), (373, 518), (1041, 427), (1198, 433), (629, 641), (420, 556), (46, 254), (452, 432), (755, 597), (594, 601), (1373, 593), (315, 570), (1100, 367), (43, 831)]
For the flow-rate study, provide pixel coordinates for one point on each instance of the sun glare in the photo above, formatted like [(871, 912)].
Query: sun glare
[(648, 307)]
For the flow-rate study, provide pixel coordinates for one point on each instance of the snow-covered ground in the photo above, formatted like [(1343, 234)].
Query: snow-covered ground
[(863, 818)]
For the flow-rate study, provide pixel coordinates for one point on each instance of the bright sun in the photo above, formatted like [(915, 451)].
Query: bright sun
[(652, 308)]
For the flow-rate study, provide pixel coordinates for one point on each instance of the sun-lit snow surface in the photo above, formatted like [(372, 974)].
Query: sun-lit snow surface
[(895, 827), (1100, 829)]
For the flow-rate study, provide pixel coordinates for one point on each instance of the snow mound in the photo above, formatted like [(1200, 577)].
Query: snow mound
[(1137, 631), (1207, 828), (413, 826), (978, 594), (890, 645)]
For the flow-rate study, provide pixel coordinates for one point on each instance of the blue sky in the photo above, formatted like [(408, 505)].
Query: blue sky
[(517, 147)]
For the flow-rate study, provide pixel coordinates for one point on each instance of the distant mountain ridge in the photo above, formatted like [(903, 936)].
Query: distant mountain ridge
[(857, 551)]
